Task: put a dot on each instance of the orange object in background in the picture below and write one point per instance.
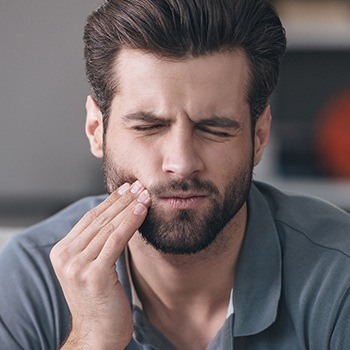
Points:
(333, 136)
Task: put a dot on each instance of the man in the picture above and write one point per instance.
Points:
(186, 252)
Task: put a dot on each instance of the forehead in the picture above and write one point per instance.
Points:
(202, 83)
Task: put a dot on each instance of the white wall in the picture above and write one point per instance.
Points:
(43, 149)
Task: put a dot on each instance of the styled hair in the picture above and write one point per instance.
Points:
(180, 29)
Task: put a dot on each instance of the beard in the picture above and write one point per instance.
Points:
(186, 231)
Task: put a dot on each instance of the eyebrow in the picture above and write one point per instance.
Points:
(220, 122)
(215, 121)
(145, 117)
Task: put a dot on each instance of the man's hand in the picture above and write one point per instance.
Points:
(84, 262)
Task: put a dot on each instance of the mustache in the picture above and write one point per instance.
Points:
(193, 185)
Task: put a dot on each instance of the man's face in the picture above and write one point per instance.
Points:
(183, 129)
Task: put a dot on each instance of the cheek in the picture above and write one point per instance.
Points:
(136, 158)
(230, 162)
(225, 157)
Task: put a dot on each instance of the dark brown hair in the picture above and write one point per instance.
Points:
(178, 29)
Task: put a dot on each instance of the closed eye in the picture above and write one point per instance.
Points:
(215, 132)
(147, 127)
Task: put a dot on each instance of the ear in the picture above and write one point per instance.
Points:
(94, 127)
(262, 134)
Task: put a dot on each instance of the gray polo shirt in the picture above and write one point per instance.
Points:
(291, 288)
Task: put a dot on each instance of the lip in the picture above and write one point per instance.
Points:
(183, 201)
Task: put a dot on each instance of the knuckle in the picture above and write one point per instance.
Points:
(95, 273)
(107, 229)
(74, 272)
(91, 215)
(67, 267)
(126, 199)
(58, 257)
(94, 279)
(113, 244)
(101, 220)
(115, 240)
(85, 278)
(112, 198)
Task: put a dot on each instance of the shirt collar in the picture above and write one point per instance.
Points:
(134, 298)
(257, 285)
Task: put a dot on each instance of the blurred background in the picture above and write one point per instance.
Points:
(45, 162)
(310, 146)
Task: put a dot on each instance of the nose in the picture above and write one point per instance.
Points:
(181, 154)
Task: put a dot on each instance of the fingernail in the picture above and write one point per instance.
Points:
(139, 209)
(143, 197)
(136, 186)
(122, 189)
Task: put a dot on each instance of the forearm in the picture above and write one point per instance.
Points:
(76, 342)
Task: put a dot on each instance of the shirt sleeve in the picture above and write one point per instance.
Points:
(33, 312)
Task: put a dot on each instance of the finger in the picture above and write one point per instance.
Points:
(96, 245)
(102, 222)
(118, 239)
(93, 214)
(71, 247)
(99, 216)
